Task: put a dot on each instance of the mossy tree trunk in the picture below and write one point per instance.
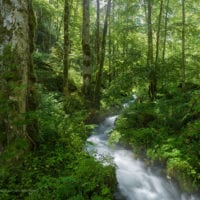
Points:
(165, 32)
(183, 46)
(150, 60)
(102, 58)
(86, 53)
(158, 35)
(16, 66)
(97, 33)
(66, 48)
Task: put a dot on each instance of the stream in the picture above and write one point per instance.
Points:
(135, 180)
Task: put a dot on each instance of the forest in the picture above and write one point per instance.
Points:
(66, 65)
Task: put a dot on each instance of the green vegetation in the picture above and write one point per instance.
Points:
(85, 59)
(59, 169)
(167, 132)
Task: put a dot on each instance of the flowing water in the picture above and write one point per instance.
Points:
(135, 180)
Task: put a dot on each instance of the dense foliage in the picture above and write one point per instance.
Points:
(59, 169)
(88, 61)
(166, 132)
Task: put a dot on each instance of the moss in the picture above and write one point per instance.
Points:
(14, 80)
(9, 84)
(32, 104)
(3, 30)
(32, 26)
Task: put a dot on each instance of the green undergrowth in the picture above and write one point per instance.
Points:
(167, 132)
(59, 168)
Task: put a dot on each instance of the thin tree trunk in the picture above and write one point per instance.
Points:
(102, 58)
(150, 64)
(97, 40)
(113, 56)
(109, 61)
(158, 34)
(165, 33)
(66, 48)
(183, 46)
(150, 36)
(97, 33)
(110, 48)
(86, 52)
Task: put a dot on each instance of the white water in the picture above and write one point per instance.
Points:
(135, 180)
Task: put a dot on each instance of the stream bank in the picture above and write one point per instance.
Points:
(136, 181)
(156, 133)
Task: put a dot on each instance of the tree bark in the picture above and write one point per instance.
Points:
(150, 35)
(165, 32)
(97, 33)
(16, 66)
(183, 46)
(86, 52)
(102, 58)
(158, 34)
(150, 62)
(110, 54)
(66, 48)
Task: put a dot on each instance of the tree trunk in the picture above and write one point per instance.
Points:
(165, 32)
(86, 53)
(150, 35)
(183, 46)
(158, 34)
(109, 61)
(17, 77)
(150, 63)
(66, 48)
(97, 34)
(110, 46)
(102, 58)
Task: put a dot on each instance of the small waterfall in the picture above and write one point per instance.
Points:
(135, 180)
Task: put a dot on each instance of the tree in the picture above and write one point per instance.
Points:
(150, 61)
(158, 34)
(86, 51)
(183, 46)
(102, 58)
(97, 33)
(17, 76)
(66, 48)
(165, 31)
(150, 35)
